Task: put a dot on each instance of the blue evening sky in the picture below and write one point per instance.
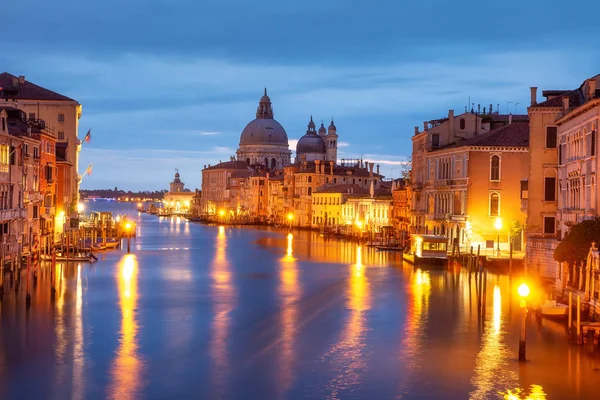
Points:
(170, 84)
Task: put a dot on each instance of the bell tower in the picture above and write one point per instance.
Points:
(176, 186)
(331, 142)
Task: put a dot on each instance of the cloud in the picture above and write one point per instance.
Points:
(343, 144)
(209, 133)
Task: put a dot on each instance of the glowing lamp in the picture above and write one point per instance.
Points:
(128, 226)
(80, 207)
(221, 212)
(290, 216)
(498, 223)
(523, 290)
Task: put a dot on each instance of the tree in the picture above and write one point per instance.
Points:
(576, 244)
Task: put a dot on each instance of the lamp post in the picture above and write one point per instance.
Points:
(523, 291)
(498, 226)
(128, 230)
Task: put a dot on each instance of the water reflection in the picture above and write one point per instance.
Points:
(78, 350)
(290, 292)
(127, 365)
(535, 393)
(491, 364)
(223, 297)
(419, 292)
(350, 350)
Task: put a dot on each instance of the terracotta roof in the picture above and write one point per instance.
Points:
(575, 99)
(26, 90)
(241, 173)
(229, 165)
(505, 117)
(337, 170)
(512, 135)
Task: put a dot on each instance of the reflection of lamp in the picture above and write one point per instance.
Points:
(498, 226)
(523, 291)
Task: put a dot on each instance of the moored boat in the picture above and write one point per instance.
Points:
(78, 258)
(389, 248)
(552, 309)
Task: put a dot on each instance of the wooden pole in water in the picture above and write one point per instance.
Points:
(578, 320)
(477, 258)
(484, 296)
(510, 257)
(53, 275)
(570, 323)
(28, 293)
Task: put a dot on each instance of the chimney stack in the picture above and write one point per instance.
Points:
(451, 123)
(591, 88)
(331, 165)
(21, 79)
(318, 166)
(15, 82)
(533, 90)
(377, 169)
(371, 165)
(416, 130)
(565, 101)
(425, 125)
(509, 119)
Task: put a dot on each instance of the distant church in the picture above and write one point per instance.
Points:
(264, 141)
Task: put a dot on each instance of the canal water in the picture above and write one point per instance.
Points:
(214, 312)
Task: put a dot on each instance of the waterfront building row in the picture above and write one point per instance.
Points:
(39, 148)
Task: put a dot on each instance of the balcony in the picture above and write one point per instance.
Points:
(33, 197)
(458, 182)
(13, 213)
(440, 183)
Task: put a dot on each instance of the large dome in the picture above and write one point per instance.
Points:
(310, 144)
(264, 131)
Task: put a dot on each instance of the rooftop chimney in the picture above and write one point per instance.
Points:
(377, 169)
(331, 165)
(565, 100)
(533, 90)
(509, 119)
(425, 125)
(15, 82)
(21, 79)
(451, 123)
(591, 88)
(371, 165)
(416, 130)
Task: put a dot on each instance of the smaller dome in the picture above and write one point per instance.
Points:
(332, 126)
(310, 144)
(322, 130)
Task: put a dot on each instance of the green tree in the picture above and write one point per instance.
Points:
(576, 244)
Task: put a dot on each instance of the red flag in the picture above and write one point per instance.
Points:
(88, 136)
(88, 171)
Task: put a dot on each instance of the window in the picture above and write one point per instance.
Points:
(462, 124)
(35, 212)
(495, 168)
(551, 137)
(494, 204)
(549, 188)
(435, 140)
(61, 135)
(524, 189)
(549, 225)
(3, 123)
(31, 116)
(560, 154)
(36, 152)
(593, 143)
(61, 117)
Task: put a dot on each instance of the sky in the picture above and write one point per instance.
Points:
(169, 84)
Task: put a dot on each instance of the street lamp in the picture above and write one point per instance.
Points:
(498, 226)
(290, 218)
(80, 207)
(523, 291)
(128, 230)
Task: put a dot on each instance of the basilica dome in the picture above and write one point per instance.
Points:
(264, 131)
(311, 142)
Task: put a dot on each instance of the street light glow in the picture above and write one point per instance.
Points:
(80, 207)
(498, 223)
(128, 226)
(523, 290)
(221, 212)
(290, 216)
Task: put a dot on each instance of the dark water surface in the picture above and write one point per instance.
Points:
(237, 313)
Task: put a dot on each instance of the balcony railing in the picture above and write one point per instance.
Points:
(12, 214)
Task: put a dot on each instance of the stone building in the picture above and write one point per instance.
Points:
(264, 141)
(178, 200)
(222, 185)
(467, 176)
(401, 196)
(321, 145)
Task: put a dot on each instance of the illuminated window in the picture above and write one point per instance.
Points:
(494, 204)
(495, 168)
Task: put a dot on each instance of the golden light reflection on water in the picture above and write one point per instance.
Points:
(350, 351)
(535, 393)
(78, 351)
(223, 296)
(290, 292)
(419, 293)
(59, 325)
(491, 363)
(126, 369)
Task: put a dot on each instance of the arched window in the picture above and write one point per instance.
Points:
(266, 162)
(273, 163)
(462, 123)
(494, 204)
(495, 168)
(309, 191)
